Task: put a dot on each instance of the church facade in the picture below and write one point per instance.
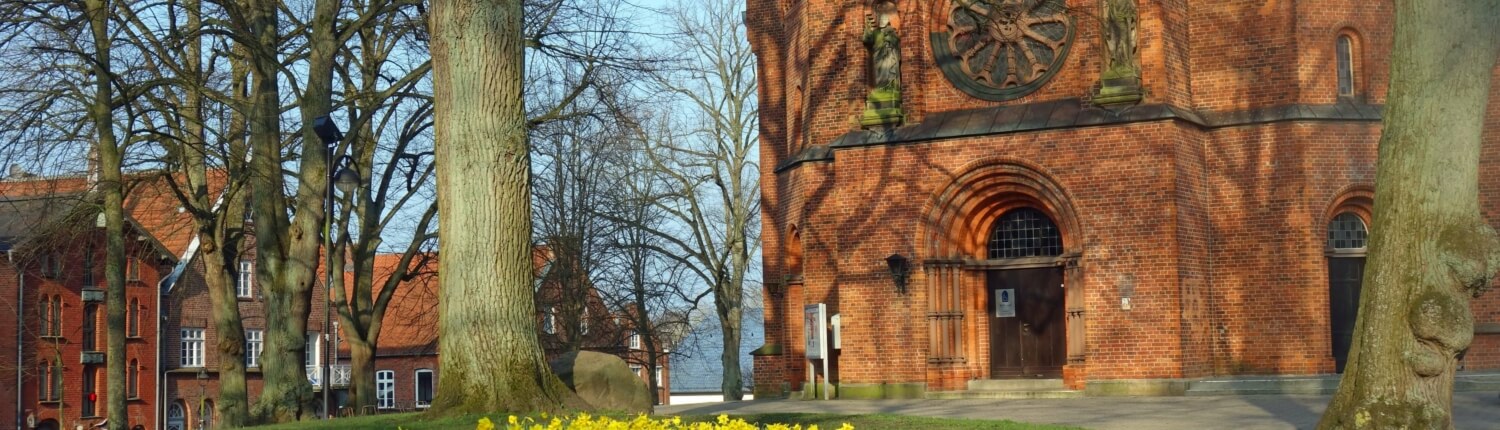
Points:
(1094, 191)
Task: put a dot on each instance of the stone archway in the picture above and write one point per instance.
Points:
(955, 229)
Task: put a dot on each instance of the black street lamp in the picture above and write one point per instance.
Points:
(341, 175)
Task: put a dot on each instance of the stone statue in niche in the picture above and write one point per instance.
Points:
(1120, 81)
(883, 105)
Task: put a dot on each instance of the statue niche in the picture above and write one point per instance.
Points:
(1120, 79)
(883, 105)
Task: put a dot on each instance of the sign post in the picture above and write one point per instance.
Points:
(815, 330)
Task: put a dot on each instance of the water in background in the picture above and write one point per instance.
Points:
(697, 369)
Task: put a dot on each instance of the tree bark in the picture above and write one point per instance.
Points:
(1431, 250)
(491, 358)
(111, 188)
(219, 229)
(287, 249)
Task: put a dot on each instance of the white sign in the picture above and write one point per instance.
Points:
(1005, 303)
(815, 330)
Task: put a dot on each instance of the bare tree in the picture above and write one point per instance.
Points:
(1431, 250)
(713, 190)
(390, 140)
(78, 38)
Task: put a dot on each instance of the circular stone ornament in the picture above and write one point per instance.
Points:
(1001, 50)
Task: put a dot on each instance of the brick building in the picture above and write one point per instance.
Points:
(53, 290)
(406, 360)
(580, 317)
(1090, 191)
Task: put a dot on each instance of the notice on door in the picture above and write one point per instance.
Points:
(1005, 303)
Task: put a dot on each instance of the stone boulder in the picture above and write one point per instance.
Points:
(604, 381)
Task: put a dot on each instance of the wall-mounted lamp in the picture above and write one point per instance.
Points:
(899, 267)
(777, 289)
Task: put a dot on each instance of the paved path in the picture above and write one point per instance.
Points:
(1474, 411)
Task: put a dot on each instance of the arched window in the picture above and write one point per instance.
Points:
(1346, 232)
(1344, 58)
(206, 415)
(1024, 232)
(45, 378)
(133, 380)
(175, 418)
(57, 381)
(57, 316)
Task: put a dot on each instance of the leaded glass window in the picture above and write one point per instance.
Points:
(1024, 232)
(1345, 65)
(1346, 231)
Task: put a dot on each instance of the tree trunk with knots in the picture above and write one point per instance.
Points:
(1431, 250)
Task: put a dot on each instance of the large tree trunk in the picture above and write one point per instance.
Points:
(218, 228)
(1430, 248)
(361, 373)
(491, 358)
(112, 189)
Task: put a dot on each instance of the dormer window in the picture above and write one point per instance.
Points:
(1344, 58)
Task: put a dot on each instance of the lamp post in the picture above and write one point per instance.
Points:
(202, 397)
(346, 180)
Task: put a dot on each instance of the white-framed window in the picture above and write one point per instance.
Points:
(549, 321)
(244, 285)
(254, 344)
(385, 389)
(635, 340)
(658, 376)
(583, 321)
(192, 347)
(636, 369)
(425, 385)
(314, 356)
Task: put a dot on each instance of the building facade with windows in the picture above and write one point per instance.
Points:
(1086, 191)
(53, 285)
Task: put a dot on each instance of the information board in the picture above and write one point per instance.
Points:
(815, 330)
(1005, 303)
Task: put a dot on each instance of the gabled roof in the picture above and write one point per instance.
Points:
(150, 205)
(410, 326)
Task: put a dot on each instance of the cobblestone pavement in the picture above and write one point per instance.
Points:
(1473, 411)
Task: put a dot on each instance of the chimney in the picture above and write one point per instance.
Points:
(93, 172)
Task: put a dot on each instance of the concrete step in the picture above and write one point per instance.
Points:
(1315, 385)
(1477, 381)
(1015, 384)
(1003, 395)
(1318, 384)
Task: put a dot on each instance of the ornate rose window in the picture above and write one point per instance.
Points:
(1003, 49)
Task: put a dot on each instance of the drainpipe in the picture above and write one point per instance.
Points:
(10, 256)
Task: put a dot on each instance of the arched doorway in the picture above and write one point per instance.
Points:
(1346, 267)
(1024, 286)
(206, 415)
(175, 417)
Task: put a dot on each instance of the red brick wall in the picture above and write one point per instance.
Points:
(1485, 353)
(1219, 232)
(68, 348)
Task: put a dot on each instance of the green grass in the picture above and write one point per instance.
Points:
(823, 421)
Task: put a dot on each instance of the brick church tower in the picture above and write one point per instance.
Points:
(1084, 192)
